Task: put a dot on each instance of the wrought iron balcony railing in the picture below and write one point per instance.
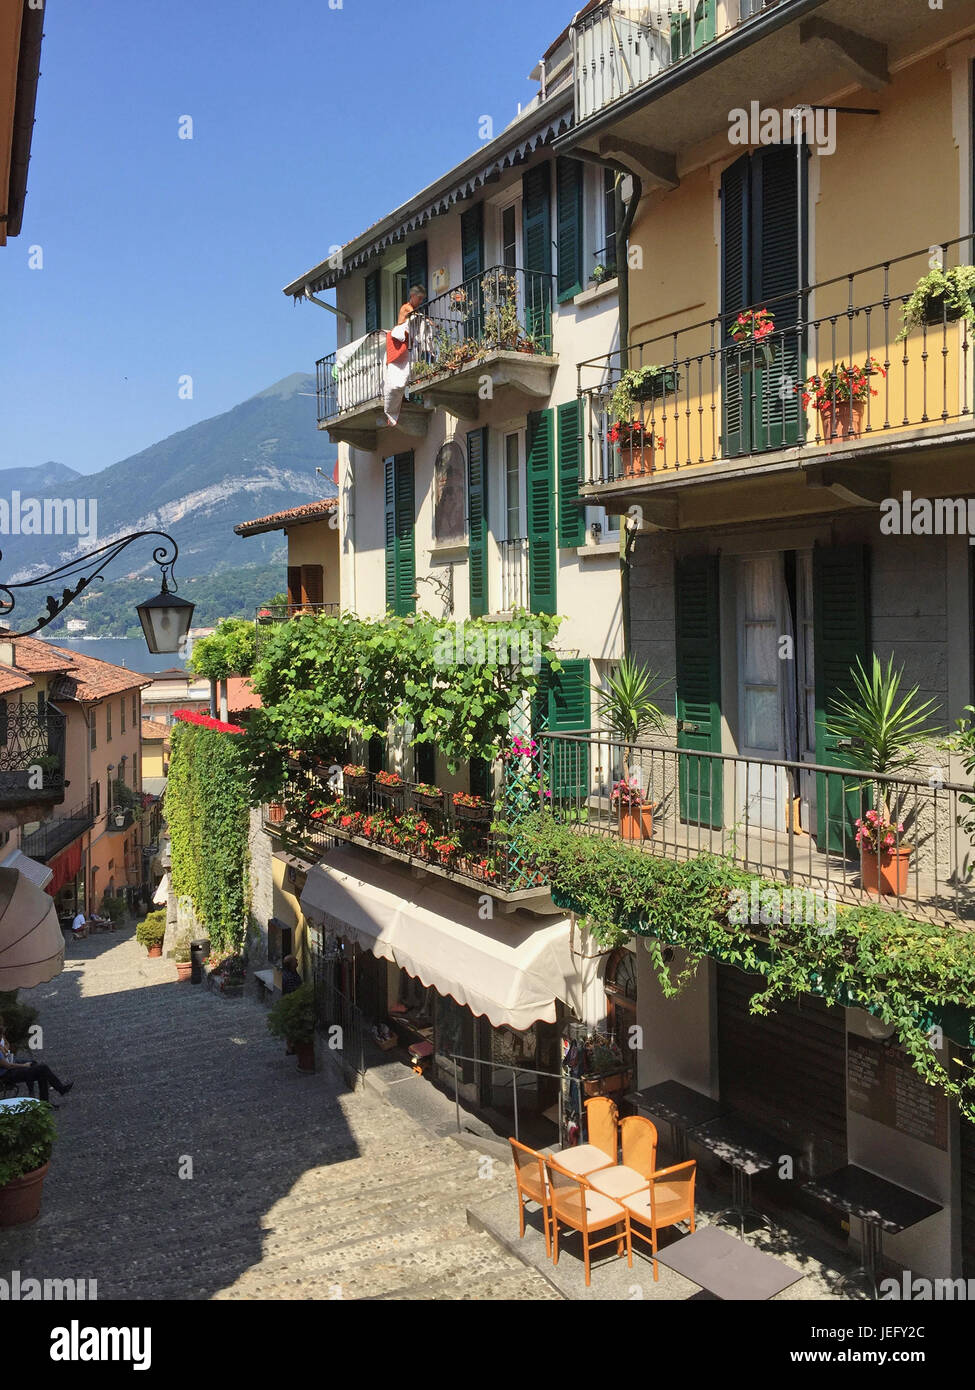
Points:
(503, 309)
(347, 380)
(54, 835)
(711, 398)
(514, 574)
(619, 47)
(31, 754)
(405, 821)
(790, 821)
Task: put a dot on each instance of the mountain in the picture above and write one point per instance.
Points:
(28, 481)
(260, 457)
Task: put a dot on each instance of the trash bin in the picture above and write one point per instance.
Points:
(199, 951)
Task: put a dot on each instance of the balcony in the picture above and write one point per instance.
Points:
(791, 822)
(731, 413)
(54, 835)
(350, 396)
(407, 823)
(271, 615)
(514, 574)
(31, 759)
(498, 324)
(652, 81)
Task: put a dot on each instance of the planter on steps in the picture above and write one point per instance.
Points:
(20, 1200)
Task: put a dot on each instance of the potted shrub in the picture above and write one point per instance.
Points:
(292, 1017)
(27, 1134)
(604, 1071)
(151, 932)
(883, 728)
(941, 296)
(635, 446)
(627, 707)
(840, 394)
(749, 331)
(181, 955)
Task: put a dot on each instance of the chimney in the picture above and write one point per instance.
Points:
(7, 657)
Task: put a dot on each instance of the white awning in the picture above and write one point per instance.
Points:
(39, 874)
(31, 944)
(161, 895)
(511, 968)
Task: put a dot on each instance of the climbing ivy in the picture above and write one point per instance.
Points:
(915, 976)
(230, 651)
(323, 679)
(206, 809)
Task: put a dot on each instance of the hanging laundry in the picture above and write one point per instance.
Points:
(417, 333)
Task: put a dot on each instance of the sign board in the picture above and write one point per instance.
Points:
(882, 1084)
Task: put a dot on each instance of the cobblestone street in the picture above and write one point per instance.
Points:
(300, 1189)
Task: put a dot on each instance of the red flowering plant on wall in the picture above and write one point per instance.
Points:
(841, 384)
(752, 326)
(205, 721)
(877, 833)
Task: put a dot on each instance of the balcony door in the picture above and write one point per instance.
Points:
(763, 264)
(514, 545)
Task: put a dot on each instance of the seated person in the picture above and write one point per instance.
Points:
(12, 1069)
(80, 924)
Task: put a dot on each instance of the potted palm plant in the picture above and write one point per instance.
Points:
(27, 1135)
(292, 1017)
(627, 708)
(883, 729)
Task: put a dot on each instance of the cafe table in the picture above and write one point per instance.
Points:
(727, 1267)
(882, 1206)
(747, 1150)
(682, 1108)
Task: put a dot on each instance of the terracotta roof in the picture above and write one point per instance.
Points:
(296, 516)
(89, 679)
(31, 654)
(13, 680)
(154, 728)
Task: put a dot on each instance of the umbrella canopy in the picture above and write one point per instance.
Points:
(31, 944)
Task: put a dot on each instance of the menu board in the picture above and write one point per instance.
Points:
(883, 1085)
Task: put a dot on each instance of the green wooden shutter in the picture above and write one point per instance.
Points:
(735, 294)
(680, 30)
(373, 300)
(416, 266)
(841, 627)
(699, 690)
(472, 241)
(400, 546)
(542, 552)
(572, 521)
(569, 180)
(477, 447)
(536, 215)
(563, 705)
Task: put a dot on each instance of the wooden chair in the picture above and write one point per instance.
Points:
(668, 1199)
(579, 1207)
(532, 1183)
(639, 1142)
(603, 1146)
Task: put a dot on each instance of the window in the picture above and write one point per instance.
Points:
(108, 723)
(608, 254)
(41, 706)
(121, 710)
(509, 236)
(96, 798)
(400, 506)
(135, 710)
(93, 728)
(513, 475)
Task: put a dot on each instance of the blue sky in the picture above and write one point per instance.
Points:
(164, 257)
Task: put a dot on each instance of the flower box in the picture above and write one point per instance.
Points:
(753, 357)
(479, 813)
(665, 383)
(607, 1084)
(431, 801)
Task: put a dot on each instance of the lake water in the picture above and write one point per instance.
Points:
(130, 652)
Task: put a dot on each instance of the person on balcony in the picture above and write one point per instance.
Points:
(12, 1069)
(397, 374)
(416, 297)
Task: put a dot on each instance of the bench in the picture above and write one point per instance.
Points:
(265, 982)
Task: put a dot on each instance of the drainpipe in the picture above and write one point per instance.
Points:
(339, 313)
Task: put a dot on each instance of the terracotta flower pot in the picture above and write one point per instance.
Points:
(886, 875)
(20, 1200)
(845, 424)
(305, 1052)
(155, 951)
(636, 822)
(183, 970)
(275, 813)
(637, 462)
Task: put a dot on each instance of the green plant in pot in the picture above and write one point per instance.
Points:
(151, 931)
(18, 1019)
(882, 729)
(27, 1134)
(292, 1017)
(183, 957)
(940, 296)
(628, 709)
(639, 384)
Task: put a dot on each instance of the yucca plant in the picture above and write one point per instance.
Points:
(883, 726)
(627, 706)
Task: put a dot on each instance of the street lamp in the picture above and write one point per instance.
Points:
(165, 619)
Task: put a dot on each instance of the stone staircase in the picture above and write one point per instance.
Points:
(299, 1188)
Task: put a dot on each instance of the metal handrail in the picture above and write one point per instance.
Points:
(501, 1066)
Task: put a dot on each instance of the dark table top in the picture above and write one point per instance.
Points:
(736, 1141)
(676, 1103)
(871, 1198)
(728, 1267)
